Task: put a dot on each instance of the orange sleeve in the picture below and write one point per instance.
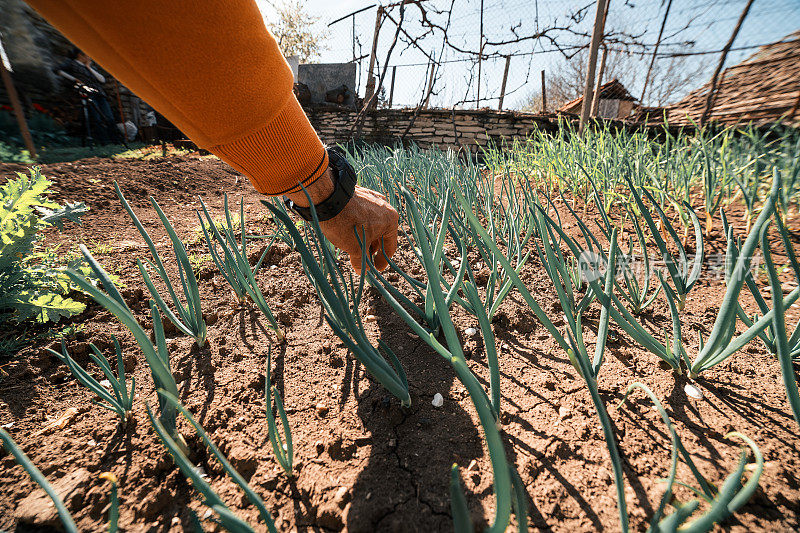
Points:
(212, 69)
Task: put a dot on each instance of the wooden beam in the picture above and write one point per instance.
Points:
(480, 63)
(596, 97)
(655, 51)
(391, 87)
(544, 95)
(370, 90)
(597, 35)
(503, 85)
(15, 104)
(713, 89)
(430, 85)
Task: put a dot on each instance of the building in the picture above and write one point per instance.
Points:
(762, 89)
(615, 102)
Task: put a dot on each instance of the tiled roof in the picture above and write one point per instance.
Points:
(612, 90)
(762, 89)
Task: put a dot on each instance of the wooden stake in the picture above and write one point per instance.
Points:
(391, 87)
(655, 51)
(597, 34)
(480, 62)
(503, 85)
(544, 96)
(430, 84)
(370, 90)
(713, 89)
(596, 97)
(15, 104)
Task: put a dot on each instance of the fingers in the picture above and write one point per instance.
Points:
(387, 248)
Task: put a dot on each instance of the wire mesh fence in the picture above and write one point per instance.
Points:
(475, 53)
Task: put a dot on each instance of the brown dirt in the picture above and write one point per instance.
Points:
(392, 463)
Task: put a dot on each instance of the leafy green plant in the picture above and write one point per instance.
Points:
(637, 293)
(31, 285)
(284, 453)
(119, 399)
(721, 342)
(113, 508)
(234, 263)
(189, 318)
(157, 356)
(785, 351)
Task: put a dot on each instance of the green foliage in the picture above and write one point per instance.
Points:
(33, 285)
(340, 297)
(119, 399)
(233, 261)
(156, 355)
(284, 453)
(188, 317)
(226, 518)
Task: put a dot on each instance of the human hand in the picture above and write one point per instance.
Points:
(368, 213)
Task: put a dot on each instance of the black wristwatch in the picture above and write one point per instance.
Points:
(344, 178)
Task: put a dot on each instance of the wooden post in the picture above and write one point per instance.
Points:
(655, 51)
(544, 95)
(480, 63)
(370, 90)
(596, 96)
(503, 85)
(597, 34)
(15, 104)
(391, 87)
(713, 89)
(121, 113)
(430, 84)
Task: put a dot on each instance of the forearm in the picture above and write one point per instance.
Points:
(213, 71)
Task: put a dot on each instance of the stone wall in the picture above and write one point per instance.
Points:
(466, 129)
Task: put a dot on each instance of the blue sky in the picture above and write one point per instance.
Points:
(710, 25)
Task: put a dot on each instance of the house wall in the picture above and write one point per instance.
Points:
(467, 129)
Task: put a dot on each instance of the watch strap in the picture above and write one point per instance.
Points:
(344, 186)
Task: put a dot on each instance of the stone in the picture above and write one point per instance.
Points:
(37, 508)
(341, 497)
(329, 516)
(243, 460)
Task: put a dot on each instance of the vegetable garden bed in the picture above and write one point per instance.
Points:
(361, 460)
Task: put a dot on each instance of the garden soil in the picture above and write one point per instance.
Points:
(362, 462)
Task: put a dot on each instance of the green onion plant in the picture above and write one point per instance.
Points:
(157, 356)
(284, 453)
(120, 398)
(36, 475)
(452, 350)
(225, 517)
(233, 261)
(722, 503)
(189, 318)
(340, 298)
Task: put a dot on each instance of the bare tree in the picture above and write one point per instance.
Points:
(296, 31)
(670, 79)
